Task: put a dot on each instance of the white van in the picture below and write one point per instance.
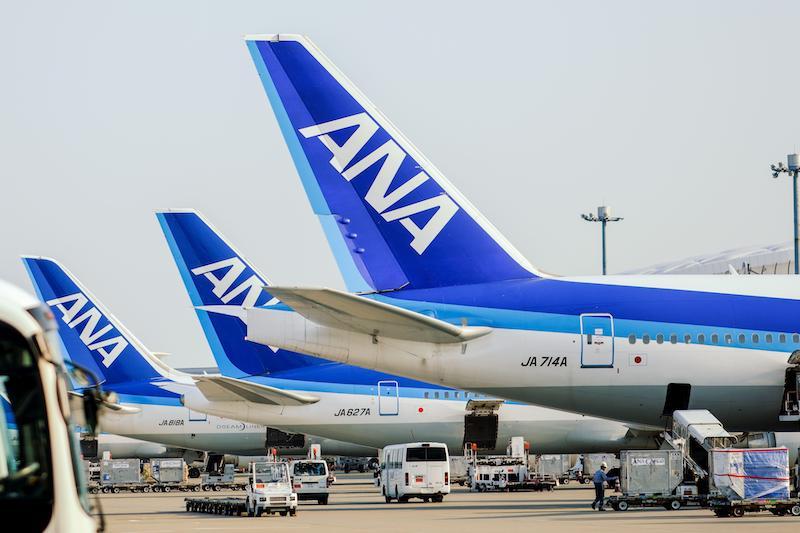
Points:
(416, 470)
(310, 479)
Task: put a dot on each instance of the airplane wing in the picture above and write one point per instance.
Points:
(342, 310)
(224, 389)
(107, 402)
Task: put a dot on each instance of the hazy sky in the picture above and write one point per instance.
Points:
(537, 111)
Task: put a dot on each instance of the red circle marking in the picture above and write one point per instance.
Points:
(637, 359)
(421, 409)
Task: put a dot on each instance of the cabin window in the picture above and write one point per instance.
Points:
(660, 338)
(728, 338)
(687, 339)
(466, 395)
(446, 395)
(701, 338)
(427, 395)
(782, 338)
(741, 338)
(632, 339)
(714, 338)
(768, 338)
(646, 338)
(795, 338)
(455, 394)
(755, 338)
(673, 339)
(436, 395)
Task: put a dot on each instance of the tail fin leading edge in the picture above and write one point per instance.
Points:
(390, 216)
(216, 274)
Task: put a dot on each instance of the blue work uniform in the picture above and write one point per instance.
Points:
(600, 479)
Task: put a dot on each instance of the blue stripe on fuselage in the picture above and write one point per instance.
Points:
(555, 305)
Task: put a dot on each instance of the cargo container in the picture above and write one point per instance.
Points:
(750, 474)
(173, 471)
(651, 472)
(654, 478)
(591, 462)
(120, 471)
(555, 466)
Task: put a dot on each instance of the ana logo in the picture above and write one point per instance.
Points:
(109, 348)
(224, 286)
(378, 196)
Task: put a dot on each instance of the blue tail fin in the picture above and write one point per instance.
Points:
(91, 336)
(390, 216)
(215, 274)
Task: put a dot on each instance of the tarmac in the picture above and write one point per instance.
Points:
(356, 505)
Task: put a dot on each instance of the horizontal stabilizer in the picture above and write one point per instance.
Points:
(225, 389)
(341, 310)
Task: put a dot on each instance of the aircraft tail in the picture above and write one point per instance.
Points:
(391, 218)
(219, 281)
(91, 336)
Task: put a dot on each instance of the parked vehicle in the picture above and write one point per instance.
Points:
(41, 477)
(269, 490)
(416, 470)
(310, 480)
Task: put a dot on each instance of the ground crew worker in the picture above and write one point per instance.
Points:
(600, 479)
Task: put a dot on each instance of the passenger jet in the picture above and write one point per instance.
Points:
(436, 293)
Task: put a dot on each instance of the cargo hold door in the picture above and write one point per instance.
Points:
(481, 423)
(597, 340)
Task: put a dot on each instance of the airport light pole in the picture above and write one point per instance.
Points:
(792, 168)
(604, 217)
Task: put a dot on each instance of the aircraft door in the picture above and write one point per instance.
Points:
(195, 416)
(597, 340)
(388, 398)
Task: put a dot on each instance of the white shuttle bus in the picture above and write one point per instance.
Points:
(415, 470)
(41, 480)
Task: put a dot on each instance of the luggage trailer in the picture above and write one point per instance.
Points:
(269, 490)
(751, 481)
(654, 478)
(672, 477)
(724, 507)
(112, 476)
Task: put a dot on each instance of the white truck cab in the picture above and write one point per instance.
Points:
(269, 489)
(310, 479)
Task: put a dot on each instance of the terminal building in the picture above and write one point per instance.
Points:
(770, 259)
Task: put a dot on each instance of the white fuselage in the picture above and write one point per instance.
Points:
(373, 420)
(743, 387)
(180, 427)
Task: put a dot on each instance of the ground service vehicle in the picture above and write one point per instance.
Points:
(269, 490)
(221, 480)
(416, 470)
(310, 480)
(41, 478)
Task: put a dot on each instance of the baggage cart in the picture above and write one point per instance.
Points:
(269, 490)
(226, 480)
(725, 507)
